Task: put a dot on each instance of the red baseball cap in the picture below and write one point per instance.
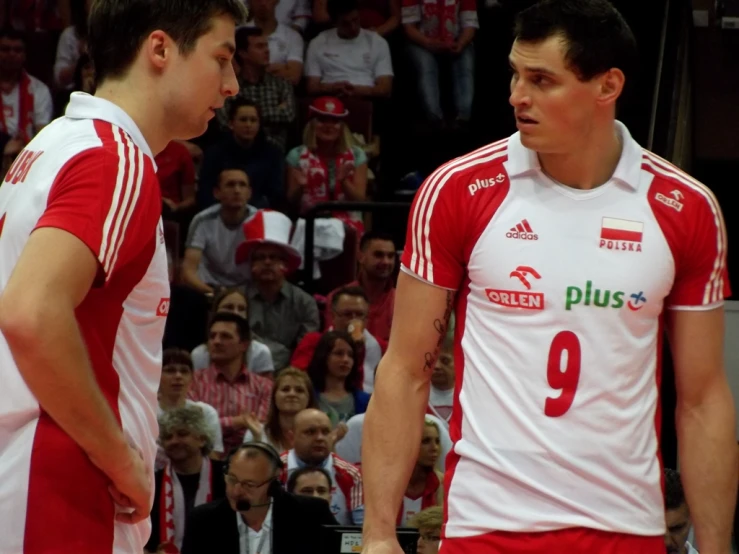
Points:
(329, 106)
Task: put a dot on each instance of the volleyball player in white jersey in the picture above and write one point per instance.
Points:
(562, 250)
(84, 288)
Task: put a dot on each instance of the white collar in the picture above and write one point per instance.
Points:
(266, 526)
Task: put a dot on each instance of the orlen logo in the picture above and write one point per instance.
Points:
(519, 299)
(484, 183)
(603, 298)
(163, 307)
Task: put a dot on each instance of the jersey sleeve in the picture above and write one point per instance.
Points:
(701, 276)
(97, 197)
(434, 246)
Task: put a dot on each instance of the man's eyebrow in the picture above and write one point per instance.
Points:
(533, 69)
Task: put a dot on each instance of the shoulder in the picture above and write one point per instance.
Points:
(342, 466)
(258, 347)
(37, 84)
(300, 295)
(208, 214)
(323, 37)
(207, 408)
(375, 38)
(674, 187)
(289, 32)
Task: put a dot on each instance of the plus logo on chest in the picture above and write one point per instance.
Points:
(594, 297)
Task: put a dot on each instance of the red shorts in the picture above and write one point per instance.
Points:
(566, 541)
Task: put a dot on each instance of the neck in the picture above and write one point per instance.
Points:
(589, 165)
(334, 385)
(190, 466)
(252, 73)
(444, 387)
(267, 24)
(372, 287)
(233, 216)
(172, 401)
(137, 97)
(270, 290)
(230, 369)
(242, 142)
(255, 517)
(418, 477)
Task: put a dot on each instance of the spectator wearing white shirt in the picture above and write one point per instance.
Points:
(25, 102)
(71, 45)
(348, 60)
(294, 13)
(285, 43)
(174, 385)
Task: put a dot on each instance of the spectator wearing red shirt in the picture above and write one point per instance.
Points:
(376, 276)
(176, 172)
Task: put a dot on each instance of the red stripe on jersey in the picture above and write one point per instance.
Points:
(576, 540)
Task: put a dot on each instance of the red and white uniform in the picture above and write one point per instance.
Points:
(347, 500)
(91, 174)
(558, 338)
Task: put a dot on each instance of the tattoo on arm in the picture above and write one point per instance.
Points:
(441, 326)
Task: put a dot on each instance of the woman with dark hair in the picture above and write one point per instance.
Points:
(334, 371)
(246, 147)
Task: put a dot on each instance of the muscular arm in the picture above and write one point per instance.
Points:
(389, 449)
(705, 425)
(190, 265)
(37, 317)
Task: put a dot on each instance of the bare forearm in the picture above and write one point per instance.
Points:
(53, 361)
(708, 466)
(190, 276)
(391, 440)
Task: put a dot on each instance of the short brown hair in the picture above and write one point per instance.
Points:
(116, 28)
(176, 356)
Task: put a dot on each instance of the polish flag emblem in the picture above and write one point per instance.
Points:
(621, 230)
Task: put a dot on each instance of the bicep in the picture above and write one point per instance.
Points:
(192, 258)
(61, 267)
(697, 343)
(420, 322)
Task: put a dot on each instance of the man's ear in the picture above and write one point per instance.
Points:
(610, 86)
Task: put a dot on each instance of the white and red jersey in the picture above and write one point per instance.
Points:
(561, 294)
(91, 174)
(347, 499)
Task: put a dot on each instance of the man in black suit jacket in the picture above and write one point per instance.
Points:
(253, 489)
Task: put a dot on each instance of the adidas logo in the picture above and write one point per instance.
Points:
(522, 231)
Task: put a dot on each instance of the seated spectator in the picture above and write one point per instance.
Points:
(268, 518)
(25, 102)
(72, 44)
(274, 96)
(258, 358)
(188, 479)
(11, 148)
(214, 235)
(285, 43)
(247, 147)
(380, 16)
(327, 166)
(677, 515)
(228, 385)
(334, 374)
(425, 489)
(441, 395)
(349, 447)
(350, 308)
(348, 60)
(313, 442)
(293, 392)
(376, 277)
(174, 386)
(176, 173)
(279, 312)
(442, 32)
(428, 522)
(294, 13)
(310, 481)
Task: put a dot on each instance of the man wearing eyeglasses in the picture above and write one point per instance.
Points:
(268, 519)
(350, 308)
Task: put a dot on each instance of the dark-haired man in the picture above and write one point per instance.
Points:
(562, 250)
(677, 515)
(84, 283)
